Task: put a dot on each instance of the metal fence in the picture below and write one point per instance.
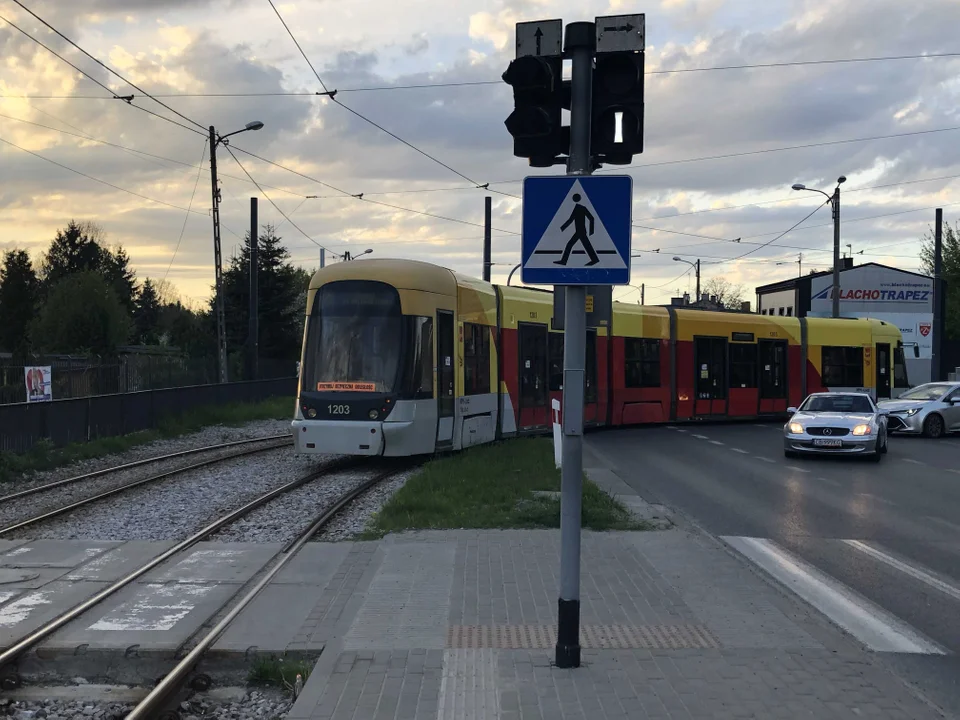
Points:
(77, 420)
(78, 377)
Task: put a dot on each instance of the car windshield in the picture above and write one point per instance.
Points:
(929, 391)
(837, 404)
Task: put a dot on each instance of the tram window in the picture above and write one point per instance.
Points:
(642, 362)
(743, 366)
(842, 366)
(900, 379)
(476, 359)
(533, 365)
(591, 367)
(418, 368)
(555, 364)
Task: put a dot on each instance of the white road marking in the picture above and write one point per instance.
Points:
(715, 442)
(871, 625)
(742, 452)
(912, 461)
(759, 425)
(829, 481)
(878, 498)
(18, 551)
(156, 607)
(682, 430)
(916, 573)
(765, 459)
(945, 523)
(672, 427)
(798, 469)
(700, 437)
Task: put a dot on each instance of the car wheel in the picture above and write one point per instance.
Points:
(933, 426)
(886, 447)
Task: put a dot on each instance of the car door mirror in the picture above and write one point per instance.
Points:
(791, 410)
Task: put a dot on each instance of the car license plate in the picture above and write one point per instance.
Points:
(828, 442)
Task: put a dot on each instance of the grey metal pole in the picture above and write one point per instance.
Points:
(323, 258)
(938, 305)
(254, 324)
(698, 280)
(643, 293)
(580, 43)
(217, 262)
(487, 213)
(836, 252)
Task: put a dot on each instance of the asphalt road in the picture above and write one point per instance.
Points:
(889, 531)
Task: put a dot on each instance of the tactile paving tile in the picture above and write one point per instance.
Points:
(597, 637)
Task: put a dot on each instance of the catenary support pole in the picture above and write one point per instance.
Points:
(487, 213)
(836, 252)
(253, 332)
(217, 262)
(580, 39)
(938, 304)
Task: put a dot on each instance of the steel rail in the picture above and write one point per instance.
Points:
(10, 655)
(137, 463)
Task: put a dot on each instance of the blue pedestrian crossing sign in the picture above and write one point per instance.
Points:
(577, 230)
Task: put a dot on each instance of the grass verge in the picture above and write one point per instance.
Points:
(494, 486)
(276, 671)
(44, 456)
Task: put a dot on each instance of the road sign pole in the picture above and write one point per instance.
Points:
(580, 44)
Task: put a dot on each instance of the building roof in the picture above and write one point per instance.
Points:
(793, 282)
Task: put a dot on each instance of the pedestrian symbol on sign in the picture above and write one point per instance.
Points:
(578, 218)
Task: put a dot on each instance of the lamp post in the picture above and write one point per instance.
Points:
(217, 263)
(834, 200)
(347, 256)
(695, 266)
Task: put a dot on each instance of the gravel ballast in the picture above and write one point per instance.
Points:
(356, 516)
(174, 508)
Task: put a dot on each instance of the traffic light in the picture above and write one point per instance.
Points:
(617, 124)
(536, 122)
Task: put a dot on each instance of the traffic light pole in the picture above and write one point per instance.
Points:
(580, 43)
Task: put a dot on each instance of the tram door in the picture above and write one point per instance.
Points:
(534, 388)
(773, 376)
(446, 394)
(883, 371)
(710, 366)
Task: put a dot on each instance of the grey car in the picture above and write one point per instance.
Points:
(931, 409)
(835, 423)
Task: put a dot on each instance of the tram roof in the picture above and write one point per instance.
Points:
(401, 274)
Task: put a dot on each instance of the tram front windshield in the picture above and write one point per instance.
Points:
(353, 339)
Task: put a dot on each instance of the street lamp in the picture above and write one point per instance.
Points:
(347, 256)
(510, 276)
(217, 264)
(695, 266)
(834, 201)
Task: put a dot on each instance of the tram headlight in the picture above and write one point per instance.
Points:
(312, 413)
(373, 414)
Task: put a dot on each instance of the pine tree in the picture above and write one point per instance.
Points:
(951, 273)
(146, 315)
(19, 296)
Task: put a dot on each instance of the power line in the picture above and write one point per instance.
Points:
(186, 217)
(476, 83)
(332, 96)
(98, 180)
(269, 200)
(109, 69)
(113, 96)
(770, 242)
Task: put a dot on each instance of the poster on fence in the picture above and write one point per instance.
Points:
(39, 385)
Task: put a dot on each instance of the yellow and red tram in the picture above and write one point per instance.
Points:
(405, 358)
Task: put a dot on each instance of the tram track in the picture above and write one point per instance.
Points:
(9, 676)
(184, 679)
(270, 443)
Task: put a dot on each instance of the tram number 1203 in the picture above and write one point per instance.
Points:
(338, 409)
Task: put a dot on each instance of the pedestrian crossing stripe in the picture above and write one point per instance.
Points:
(576, 224)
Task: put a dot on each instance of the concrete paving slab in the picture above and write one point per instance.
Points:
(314, 564)
(213, 562)
(273, 620)
(31, 609)
(8, 545)
(55, 553)
(28, 578)
(114, 564)
(154, 617)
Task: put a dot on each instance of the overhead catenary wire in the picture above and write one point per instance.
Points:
(108, 68)
(477, 83)
(186, 218)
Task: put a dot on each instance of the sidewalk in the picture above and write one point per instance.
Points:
(444, 625)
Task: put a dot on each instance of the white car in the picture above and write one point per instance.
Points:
(931, 409)
(836, 423)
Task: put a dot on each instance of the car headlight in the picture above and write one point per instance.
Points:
(862, 430)
(911, 412)
(796, 428)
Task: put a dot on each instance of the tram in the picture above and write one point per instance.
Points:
(408, 358)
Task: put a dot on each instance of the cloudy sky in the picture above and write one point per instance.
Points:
(686, 201)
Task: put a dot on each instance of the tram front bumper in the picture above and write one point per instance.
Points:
(333, 437)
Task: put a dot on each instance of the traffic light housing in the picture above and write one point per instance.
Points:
(617, 123)
(536, 122)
